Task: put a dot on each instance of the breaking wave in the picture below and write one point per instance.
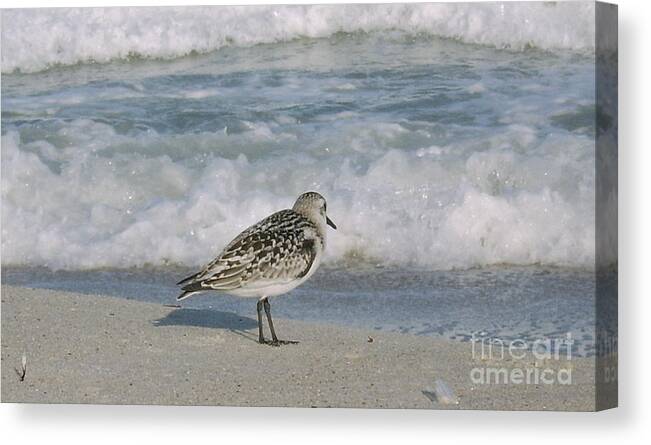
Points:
(36, 39)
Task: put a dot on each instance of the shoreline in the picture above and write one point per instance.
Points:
(506, 303)
(99, 349)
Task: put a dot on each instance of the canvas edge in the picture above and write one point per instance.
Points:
(606, 199)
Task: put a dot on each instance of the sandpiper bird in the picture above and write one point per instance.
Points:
(269, 258)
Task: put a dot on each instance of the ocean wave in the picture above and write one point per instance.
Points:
(37, 39)
(89, 197)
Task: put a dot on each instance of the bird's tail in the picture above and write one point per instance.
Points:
(189, 290)
(186, 294)
(186, 279)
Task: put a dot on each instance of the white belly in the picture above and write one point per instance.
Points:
(272, 288)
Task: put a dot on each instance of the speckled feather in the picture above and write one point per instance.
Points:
(281, 247)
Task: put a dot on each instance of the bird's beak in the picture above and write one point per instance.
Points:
(330, 223)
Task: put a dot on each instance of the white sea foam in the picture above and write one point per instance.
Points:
(430, 152)
(440, 207)
(35, 39)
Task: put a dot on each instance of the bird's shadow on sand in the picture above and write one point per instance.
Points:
(206, 318)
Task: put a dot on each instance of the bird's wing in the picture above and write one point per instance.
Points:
(275, 249)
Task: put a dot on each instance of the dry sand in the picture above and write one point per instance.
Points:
(99, 349)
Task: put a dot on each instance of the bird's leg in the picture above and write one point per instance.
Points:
(267, 309)
(275, 341)
(260, 334)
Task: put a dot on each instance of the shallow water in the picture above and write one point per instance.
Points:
(527, 303)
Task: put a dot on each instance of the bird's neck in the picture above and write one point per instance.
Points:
(316, 219)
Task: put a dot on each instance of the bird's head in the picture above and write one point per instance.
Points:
(313, 206)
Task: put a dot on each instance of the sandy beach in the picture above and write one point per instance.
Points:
(98, 349)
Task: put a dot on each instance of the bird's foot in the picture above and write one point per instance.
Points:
(278, 342)
(286, 342)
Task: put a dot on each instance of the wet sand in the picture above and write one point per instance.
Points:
(97, 349)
